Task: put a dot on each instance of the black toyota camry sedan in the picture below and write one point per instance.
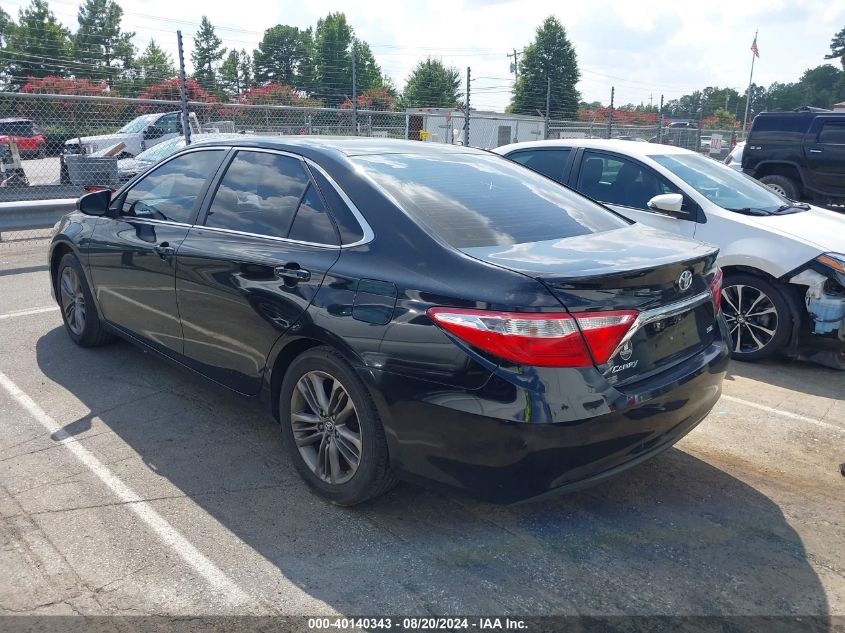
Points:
(407, 310)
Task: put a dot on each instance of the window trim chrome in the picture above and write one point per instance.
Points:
(366, 229)
(368, 234)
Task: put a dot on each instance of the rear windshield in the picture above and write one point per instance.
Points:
(470, 200)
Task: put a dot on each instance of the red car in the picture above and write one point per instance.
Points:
(27, 136)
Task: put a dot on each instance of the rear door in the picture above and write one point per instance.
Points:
(551, 162)
(825, 154)
(626, 185)
(252, 265)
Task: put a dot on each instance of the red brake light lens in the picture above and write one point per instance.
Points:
(716, 290)
(539, 339)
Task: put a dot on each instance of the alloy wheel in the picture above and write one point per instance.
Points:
(777, 189)
(325, 427)
(73, 300)
(751, 316)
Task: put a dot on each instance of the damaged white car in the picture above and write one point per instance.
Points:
(783, 261)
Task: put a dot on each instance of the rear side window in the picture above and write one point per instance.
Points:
(469, 200)
(783, 128)
(832, 133)
(549, 162)
(348, 226)
(312, 223)
(258, 194)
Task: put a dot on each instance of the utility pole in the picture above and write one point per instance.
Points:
(354, 94)
(610, 113)
(660, 122)
(183, 90)
(548, 104)
(466, 112)
(515, 64)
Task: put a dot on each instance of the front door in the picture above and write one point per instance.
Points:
(247, 273)
(132, 257)
(626, 186)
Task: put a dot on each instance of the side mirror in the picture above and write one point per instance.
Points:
(95, 203)
(669, 202)
(153, 131)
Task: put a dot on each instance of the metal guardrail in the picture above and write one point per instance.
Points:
(33, 214)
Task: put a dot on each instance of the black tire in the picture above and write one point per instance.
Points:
(89, 332)
(783, 185)
(372, 476)
(763, 308)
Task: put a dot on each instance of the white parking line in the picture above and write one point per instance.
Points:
(19, 313)
(166, 532)
(784, 414)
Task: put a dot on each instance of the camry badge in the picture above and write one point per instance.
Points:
(685, 280)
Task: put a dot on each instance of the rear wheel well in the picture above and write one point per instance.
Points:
(780, 169)
(283, 360)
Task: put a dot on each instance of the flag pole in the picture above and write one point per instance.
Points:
(748, 92)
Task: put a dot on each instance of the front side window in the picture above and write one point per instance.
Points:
(170, 124)
(549, 162)
(170, 192)
(617, 180)
(259, 194)
(473, 199)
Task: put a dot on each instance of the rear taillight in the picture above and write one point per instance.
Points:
(539, 339)
(716, 289)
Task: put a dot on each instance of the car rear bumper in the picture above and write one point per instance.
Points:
(504, 444)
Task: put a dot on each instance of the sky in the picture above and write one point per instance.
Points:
(644, 48)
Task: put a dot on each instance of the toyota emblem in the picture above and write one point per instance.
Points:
(685, 280)
(627, 351)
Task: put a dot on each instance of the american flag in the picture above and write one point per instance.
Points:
(754, 48)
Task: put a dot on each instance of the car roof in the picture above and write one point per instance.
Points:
(631, 148)
(346, 145)
(16, 120)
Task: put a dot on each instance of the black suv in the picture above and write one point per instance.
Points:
(799, 154)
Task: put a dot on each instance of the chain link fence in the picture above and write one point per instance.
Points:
(55, 145)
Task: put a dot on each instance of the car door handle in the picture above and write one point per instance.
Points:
(164, 249)
(288, 271)
(815, 151)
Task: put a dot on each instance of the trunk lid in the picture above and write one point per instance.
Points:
(628, 268)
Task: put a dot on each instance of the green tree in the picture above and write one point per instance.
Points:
(284, 57)
(6, 25)
(333, 59)
(837, 48)
(550, 56)
(206, 56)
(432, 84)
(155, 64)
(38, 46)
(821, 86)
(235, 73)
(368, 73)
(100, 47)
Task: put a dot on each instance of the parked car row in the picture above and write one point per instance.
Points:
(783, 260)
(508, 326)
